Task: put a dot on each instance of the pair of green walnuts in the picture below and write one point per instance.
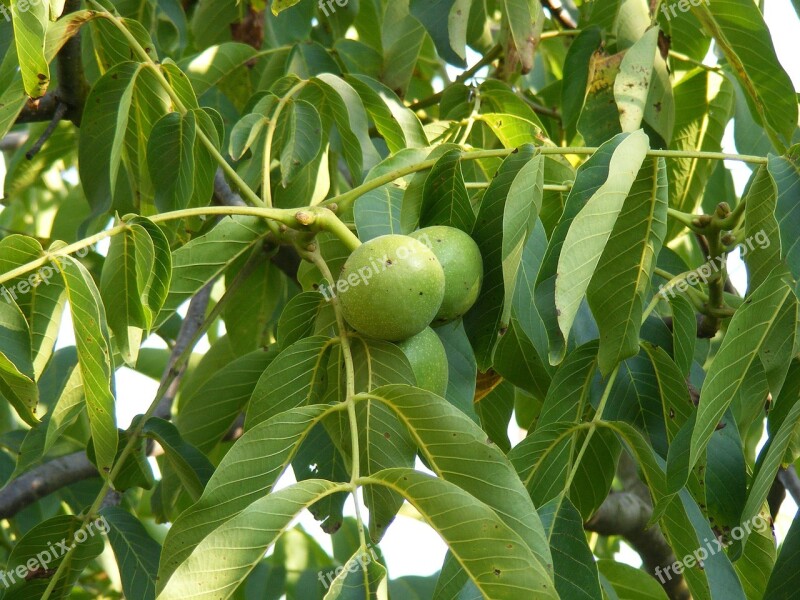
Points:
(400, 285)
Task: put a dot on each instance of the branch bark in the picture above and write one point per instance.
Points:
(44, 480)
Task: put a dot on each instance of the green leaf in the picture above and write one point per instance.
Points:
(785, 170)
(204, 424)
(30, 20)
(402, 39)
(206, 257)
(494, 411)
(684, 332)
(251, 306)
(383, 440)
(746, 335)
(739, 29)
(461, 367)
(576, 74)
(350, 117)
(137, 553)
(243, 541)
(207, 69)
(761, 225)
(94, 356)
(303, 136)
(524, 19)
(105, 122)
(40, 545)
(16, 369)
(134, 283)
(445, 199)
(437, 17)
(630, 583)
(619, 287)
(399, 126)
(361, 577)
(632, 84)
(378, 212)
(573, 562)
(456, 442)
(589, 179)
(191, 465)
(296, 377)
(599, 119)
(279, 6)
(61, 390)
(247, 472)
(298, 318)
(513, 199)
(170, 158)
(704, 104)
(513, 130)
(785, 577)
(767, 465)
(592, 227)
(502, 566)
(518, 361)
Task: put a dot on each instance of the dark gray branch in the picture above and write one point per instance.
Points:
(61, 111)
(44, 480)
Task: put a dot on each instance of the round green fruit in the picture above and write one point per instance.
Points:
(428, 360)
(391, 287)
(461, 260)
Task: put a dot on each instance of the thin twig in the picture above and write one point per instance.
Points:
(60, 112)
(192, 324)
(559, 13)
(487, 59)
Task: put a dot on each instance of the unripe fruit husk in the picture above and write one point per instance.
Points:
(428, 360)
(461, 260)
(391, 287)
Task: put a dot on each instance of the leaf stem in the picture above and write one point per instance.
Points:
(346, 199)
(350, 379)
(285, 216)
(598, 415)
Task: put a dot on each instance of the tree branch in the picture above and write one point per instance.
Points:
(559, 13)
(44, 480)
(626, 514)
(192, 324)
(60, 112)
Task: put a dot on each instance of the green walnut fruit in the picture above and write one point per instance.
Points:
(461, 260)
(428, 360)
(391, 287)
